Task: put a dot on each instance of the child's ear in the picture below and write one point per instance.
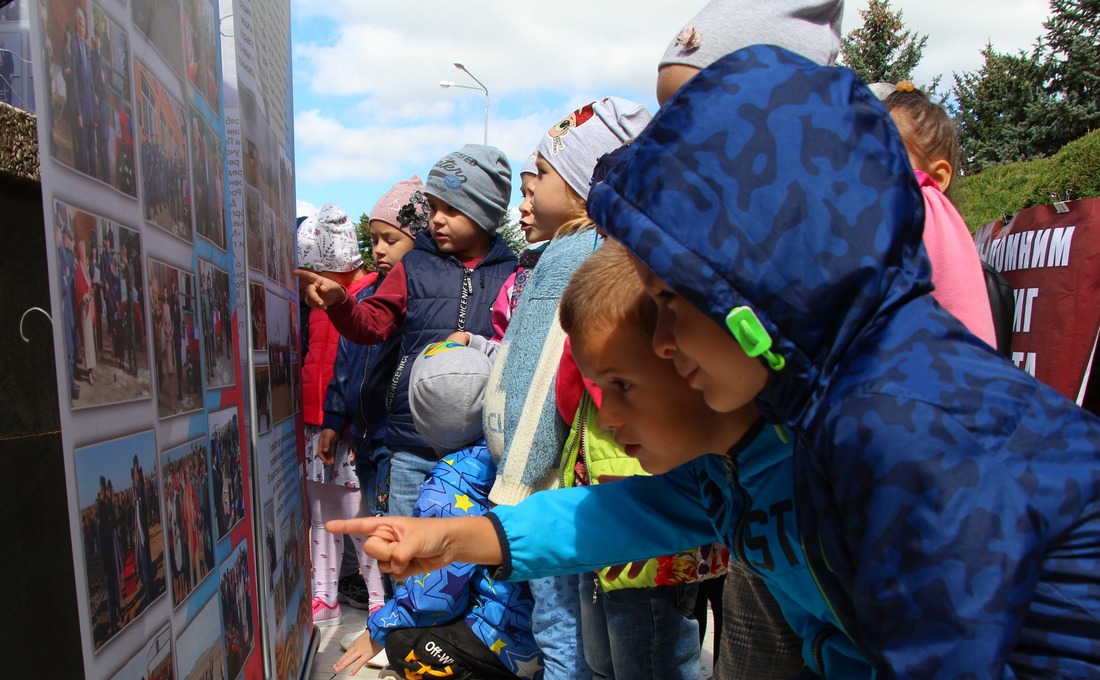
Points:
(941, 173)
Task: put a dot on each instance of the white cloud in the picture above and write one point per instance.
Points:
(305, 208)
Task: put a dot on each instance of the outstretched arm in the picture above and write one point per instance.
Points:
(405, 546)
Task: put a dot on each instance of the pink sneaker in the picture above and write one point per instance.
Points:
(325, 614)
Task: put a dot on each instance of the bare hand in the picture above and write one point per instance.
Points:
(359, 652)
(326, 446)
(461, 337)
(406, 546)
(319, 291)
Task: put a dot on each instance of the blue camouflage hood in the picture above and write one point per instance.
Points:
(790, 170)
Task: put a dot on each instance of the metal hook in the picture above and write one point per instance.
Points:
(32, 309)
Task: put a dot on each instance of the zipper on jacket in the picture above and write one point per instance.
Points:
(819, 643)
(394, 381)
(464, 300)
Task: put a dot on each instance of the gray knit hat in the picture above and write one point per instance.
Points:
(807, 27)
(476, 180)
(446, 392)
(573, 146)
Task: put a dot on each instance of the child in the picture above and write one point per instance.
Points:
(458, 622)
(447, 281)
(509, 294)
(355, 399)
(327, 244)
(933, 149)
(949, 497)
(522, 426)
(660, 420)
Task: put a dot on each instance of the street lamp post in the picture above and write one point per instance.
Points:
(481, 87)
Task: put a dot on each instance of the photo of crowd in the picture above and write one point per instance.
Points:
(173, 309)
(186, 483)
(227, 478)
(199, 649)
(159, 22)
(258, 304)
(90, 119)
(102, 301)
(238, 614)
(121, 531)
(217, 326)
(208, 192)
(154, 661)
(162, 129)
(269, 542)
(293, 558)
(263, 398)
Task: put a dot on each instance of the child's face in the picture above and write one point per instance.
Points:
(553, 203)
(703, 352)
(652, 411)
(389, 244)
(527, 224)
(454, 233)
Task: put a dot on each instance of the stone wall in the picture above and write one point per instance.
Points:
(18, 144)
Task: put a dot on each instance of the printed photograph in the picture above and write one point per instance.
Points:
(288, 253)
(272, 237)
(186, 483)
(173, 309)
(103, 302)
(200, 48)
(270, 545)
(278, 357)
(153, 662)
(228, 471)
(296, 392)
(257, 295)
(209, 189)
(121, 531)
(238, 613)
(90, 118)
(217, 326)
(263, 399)
(159, 22)
(199, 647)
(254, 233)
(162, 129)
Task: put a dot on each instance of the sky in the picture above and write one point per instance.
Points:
(369, 111)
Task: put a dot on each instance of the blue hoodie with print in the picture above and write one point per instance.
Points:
(949, 504)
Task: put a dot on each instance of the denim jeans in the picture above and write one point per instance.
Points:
(639, 632)
(555, 621)
(372, 466)
(408, 470)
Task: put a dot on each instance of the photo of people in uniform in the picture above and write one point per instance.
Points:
(159, 21)
(227, 471)
(173, 309)
(217, 326)
(91, 123)
(162, 129)
(121, 531)
(102, 302)
(238, 613)
(186, 484)
(258, 304)
(208, 193)
(199, 647)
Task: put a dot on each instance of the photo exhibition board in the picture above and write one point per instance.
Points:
(179, 425)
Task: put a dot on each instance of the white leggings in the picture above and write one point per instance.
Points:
(334, 501)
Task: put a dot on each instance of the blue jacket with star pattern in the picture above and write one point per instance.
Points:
(498, 612)
(949, 504)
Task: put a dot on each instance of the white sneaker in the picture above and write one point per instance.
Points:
(379, 660)
(346, 641)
